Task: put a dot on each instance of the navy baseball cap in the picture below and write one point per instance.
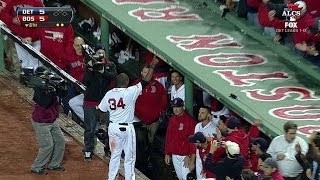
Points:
(177, 102)
(99, 46)
(197, 138)
(261, 143)
(233, 122)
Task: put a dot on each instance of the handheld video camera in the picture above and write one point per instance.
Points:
(96, 59)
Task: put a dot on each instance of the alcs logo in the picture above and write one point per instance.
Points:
(292, 12)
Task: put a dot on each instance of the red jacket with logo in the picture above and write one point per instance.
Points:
(77, 67)
(178, 132)
(55, 42)
(151, 103)
(9, 12)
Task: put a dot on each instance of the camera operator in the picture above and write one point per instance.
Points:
(98, 75)
(49, 135)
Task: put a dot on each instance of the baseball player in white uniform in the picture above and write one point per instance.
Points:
(120, 102)
(209, 129)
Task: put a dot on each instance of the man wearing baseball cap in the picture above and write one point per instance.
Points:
(231, 166)
(240, 137)
(270, 168)
(181, 126)
(203, 147)
(258, 146)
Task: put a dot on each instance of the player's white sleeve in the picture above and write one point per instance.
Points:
(137, 89)
(103, 106)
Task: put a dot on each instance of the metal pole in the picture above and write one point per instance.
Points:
(1, 52)
(189, 95)
(105, 34)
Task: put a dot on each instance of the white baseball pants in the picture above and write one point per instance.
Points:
(26, 59)
(76, 104)
(118, 141)
(181, 171)
(199, 166)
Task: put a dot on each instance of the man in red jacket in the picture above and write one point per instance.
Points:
(181, 126)
(9, 15)
(151, 104)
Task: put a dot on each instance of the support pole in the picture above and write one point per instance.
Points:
(105, 34)
(189, 96)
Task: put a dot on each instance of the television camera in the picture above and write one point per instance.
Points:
(44, 79)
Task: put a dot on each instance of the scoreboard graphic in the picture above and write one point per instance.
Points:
(45, 16)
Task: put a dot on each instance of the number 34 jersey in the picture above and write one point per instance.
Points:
(120, 102)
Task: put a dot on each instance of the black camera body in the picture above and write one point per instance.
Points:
(49, 82)
(96, 59)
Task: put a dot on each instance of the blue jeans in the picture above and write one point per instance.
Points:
(90, 123)
(253, 19)
(51, 145)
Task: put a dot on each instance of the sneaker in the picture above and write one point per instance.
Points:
(87, 156)
(40, 172)
(57, 168)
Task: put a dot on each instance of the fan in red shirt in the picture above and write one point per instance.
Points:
(55, 42)
(9, 16)
(75, 59)
(151, 104)
(181, 126)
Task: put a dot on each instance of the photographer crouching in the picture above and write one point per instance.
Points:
(47, 89)
(97, 78)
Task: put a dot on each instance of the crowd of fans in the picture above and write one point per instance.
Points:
(218, 143)
(273, 17)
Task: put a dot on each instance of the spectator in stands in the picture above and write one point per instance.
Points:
(231, 166)
(56, 42)
(304, 163)
(203, 147)
(97, 79)
(2, 5)
(218, 109)
(248, 174)
(9, 15)
(12, 60)
(282, 148)
(270, 168)
(222, 125)
(177, 89)
(208, 128)
(75, 67)
(252, 15)
(76, 59)
(258, 146)
(314, 152)
(240, 137)
(49, 135)
(264, 20)
(181, 126)
(151, 104)
(261, 159)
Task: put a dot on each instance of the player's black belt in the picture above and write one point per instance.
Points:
(123, 124)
